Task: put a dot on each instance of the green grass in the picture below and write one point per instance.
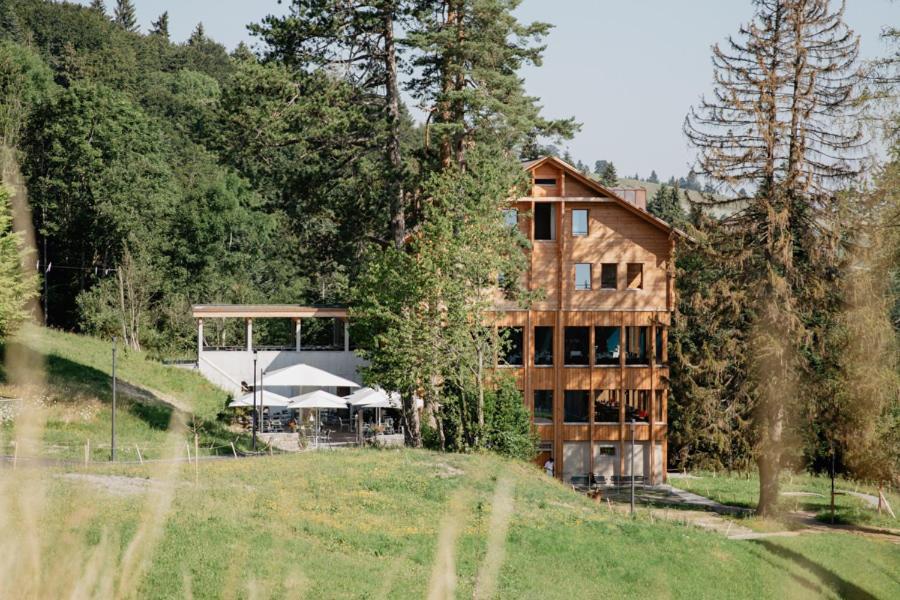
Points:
(77, 393)
(364, 524)
(742, 489)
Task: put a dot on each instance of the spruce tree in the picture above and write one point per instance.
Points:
(198, 35)
(654, 178)
(160, 27)
(124, 15)
(609, 177)
(782, 88)
(99, 6)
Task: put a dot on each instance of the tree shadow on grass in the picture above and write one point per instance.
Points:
(74, 379)
(832, 580)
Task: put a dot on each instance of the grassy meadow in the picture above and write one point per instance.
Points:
(373, 524)
(742, 489)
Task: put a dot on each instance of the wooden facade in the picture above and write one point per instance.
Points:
(607, 277)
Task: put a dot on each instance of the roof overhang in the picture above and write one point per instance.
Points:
(263, 311)
(595, 185)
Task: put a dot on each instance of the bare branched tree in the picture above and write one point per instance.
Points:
(783, 123)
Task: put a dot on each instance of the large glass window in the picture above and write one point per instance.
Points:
(635, 276)
(606, 406)
(636, 345)
(543, 346)
(511, 217)
(543, 406)
(576, 406)
(609, 274)
(544, 221)
(579, 222)
(637, 405)
(582, 276)
(660, 344)
(607, 345)
(512, 346)
(576, 345)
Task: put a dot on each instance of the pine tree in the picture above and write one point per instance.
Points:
(160, 27)
(16, 286)
(124, 15)
(654, 178)
(599, 167)
(780, 89)
(609, 177)
(198, 35)
(468, 54)
(99, 6)
(666, 204)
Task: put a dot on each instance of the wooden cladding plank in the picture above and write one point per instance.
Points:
(575, 432)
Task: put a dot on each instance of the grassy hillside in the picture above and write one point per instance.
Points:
(374, 524)
(71, 378)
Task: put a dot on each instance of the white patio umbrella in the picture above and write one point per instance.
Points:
(303, 375)
(318, 400)
(263, 398)
(363, 396)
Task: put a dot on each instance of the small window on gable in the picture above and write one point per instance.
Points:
(579, 222)
(544, 221)
(583, 276)
(609, 276)
(544, 181)
(635, 276)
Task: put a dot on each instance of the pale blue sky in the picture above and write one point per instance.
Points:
(626, 69)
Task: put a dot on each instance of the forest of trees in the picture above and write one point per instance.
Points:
(162, 174)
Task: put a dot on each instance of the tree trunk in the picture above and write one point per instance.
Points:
(769, 459)
(413, 424)
(392, 97)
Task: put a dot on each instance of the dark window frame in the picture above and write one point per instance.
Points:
(600, 357)
(569, 400)
(629, 276)
(544, 396)
(569, 344)
(544, 232)
(546, 357)
(604, 276)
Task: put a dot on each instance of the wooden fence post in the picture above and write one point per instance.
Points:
(196, 458)
(233, 451)
(140, 458)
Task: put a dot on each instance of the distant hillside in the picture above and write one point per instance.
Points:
(695, 196)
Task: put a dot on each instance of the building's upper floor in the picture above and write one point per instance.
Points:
(593, 248)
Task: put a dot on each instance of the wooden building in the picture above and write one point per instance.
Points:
(590, 357)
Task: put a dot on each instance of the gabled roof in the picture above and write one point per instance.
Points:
(595, 185)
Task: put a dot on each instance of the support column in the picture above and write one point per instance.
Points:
(249, 335)
(346, 335)
(199, 338)
(298, 330)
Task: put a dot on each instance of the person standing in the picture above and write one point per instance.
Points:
(548, 467)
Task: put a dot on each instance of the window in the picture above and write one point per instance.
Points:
(660, 344)
(658, 407)
(576, 346)
(545, 181)
(543, 406)
(635, 276)
(609, 275)
(582, 276)
(637, 405)
(576, 406)
(579, 222)
(606, 345)
(606, 406)
(543, 346)
(511, 217)
(606, 451)
(511, 350)
(544, 221)
(636, 345)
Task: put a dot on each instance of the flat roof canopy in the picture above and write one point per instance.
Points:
(263, 311)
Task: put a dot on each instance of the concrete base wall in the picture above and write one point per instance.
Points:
(228, 368)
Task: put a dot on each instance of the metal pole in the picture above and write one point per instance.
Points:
(46, 285)
(632, 467)
(112, 454)
(832, 482)
(253, 420)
